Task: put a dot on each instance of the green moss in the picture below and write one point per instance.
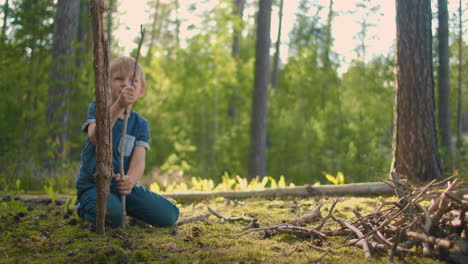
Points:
(50, 234)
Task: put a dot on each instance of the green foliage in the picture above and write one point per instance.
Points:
(228, 183)
(50, 189)
(198, 104)
(339, 179)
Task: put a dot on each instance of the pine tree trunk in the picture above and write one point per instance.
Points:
(109, 27)
(444, 86)
(154, 32)
(6, 10)
(233, 98)
(103, 121)
(239, 11)
(61, 73)
(460, 70)
(328, 43)
(258, 128)
(274, 79)
(414, 139)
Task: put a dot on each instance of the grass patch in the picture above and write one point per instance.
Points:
(53, 234)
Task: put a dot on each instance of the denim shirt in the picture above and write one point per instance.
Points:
(138, 134)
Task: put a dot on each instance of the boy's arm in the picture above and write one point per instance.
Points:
(135, 171)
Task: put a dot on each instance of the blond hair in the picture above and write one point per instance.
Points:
(126, 64)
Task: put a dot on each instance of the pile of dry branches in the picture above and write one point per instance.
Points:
(431, 221)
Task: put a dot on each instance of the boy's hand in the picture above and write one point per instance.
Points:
(125, 184)
(127, 96)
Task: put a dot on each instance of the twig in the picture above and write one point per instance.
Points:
(232, 218)
(330, 213)
(363, 242)
(185, 220)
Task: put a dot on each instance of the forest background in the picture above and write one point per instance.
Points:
(321, 117)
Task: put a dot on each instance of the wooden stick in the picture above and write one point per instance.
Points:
(124, 130)
(232, 218)
(185, 220)
(362, 242)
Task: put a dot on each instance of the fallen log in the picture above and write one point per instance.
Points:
(354, 189)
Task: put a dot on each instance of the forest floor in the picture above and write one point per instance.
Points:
(40, 233)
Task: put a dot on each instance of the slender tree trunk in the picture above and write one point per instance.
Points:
(154, 32)
(61, 73)
(460, 76)
(274, 80)
(329, 40)
(109, 27)
(414, 139)
(82, 30)
(258, 128)
(239, 12)
(177, 22)
(6, 11)
(103, 121)
(444, 86)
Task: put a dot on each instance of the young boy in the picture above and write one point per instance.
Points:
(141, 203)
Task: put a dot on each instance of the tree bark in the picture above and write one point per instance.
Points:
(154, 32)
(83, 25)
(444, 86)
(233, 97)
(258, 129)
(239, 11)
(109, 27)
(329, 39)
(460, 76)
(6, 11)
(274, 79)
(103, 121)
(414, 139)
(61, 74)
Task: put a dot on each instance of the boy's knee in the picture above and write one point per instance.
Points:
(171, 217)
(87, 209)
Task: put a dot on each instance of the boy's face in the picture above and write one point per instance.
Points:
(121, 79)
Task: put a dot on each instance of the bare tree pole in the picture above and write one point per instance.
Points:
(258, 127)
(460, 78)
(274, 79)
(103, 115)
(444, 86)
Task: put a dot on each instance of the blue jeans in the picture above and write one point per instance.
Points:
(142, 204)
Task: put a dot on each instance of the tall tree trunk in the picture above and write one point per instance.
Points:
(329, 40)
(6, 11)
(274, 79)
(238, 11)
(177, 22)
(460, 76)
(109, 27)
(414, 138)
(444, 86)
(258, 129)
(104, 167)
(82, 30)
(154, 32)
(61, 73)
